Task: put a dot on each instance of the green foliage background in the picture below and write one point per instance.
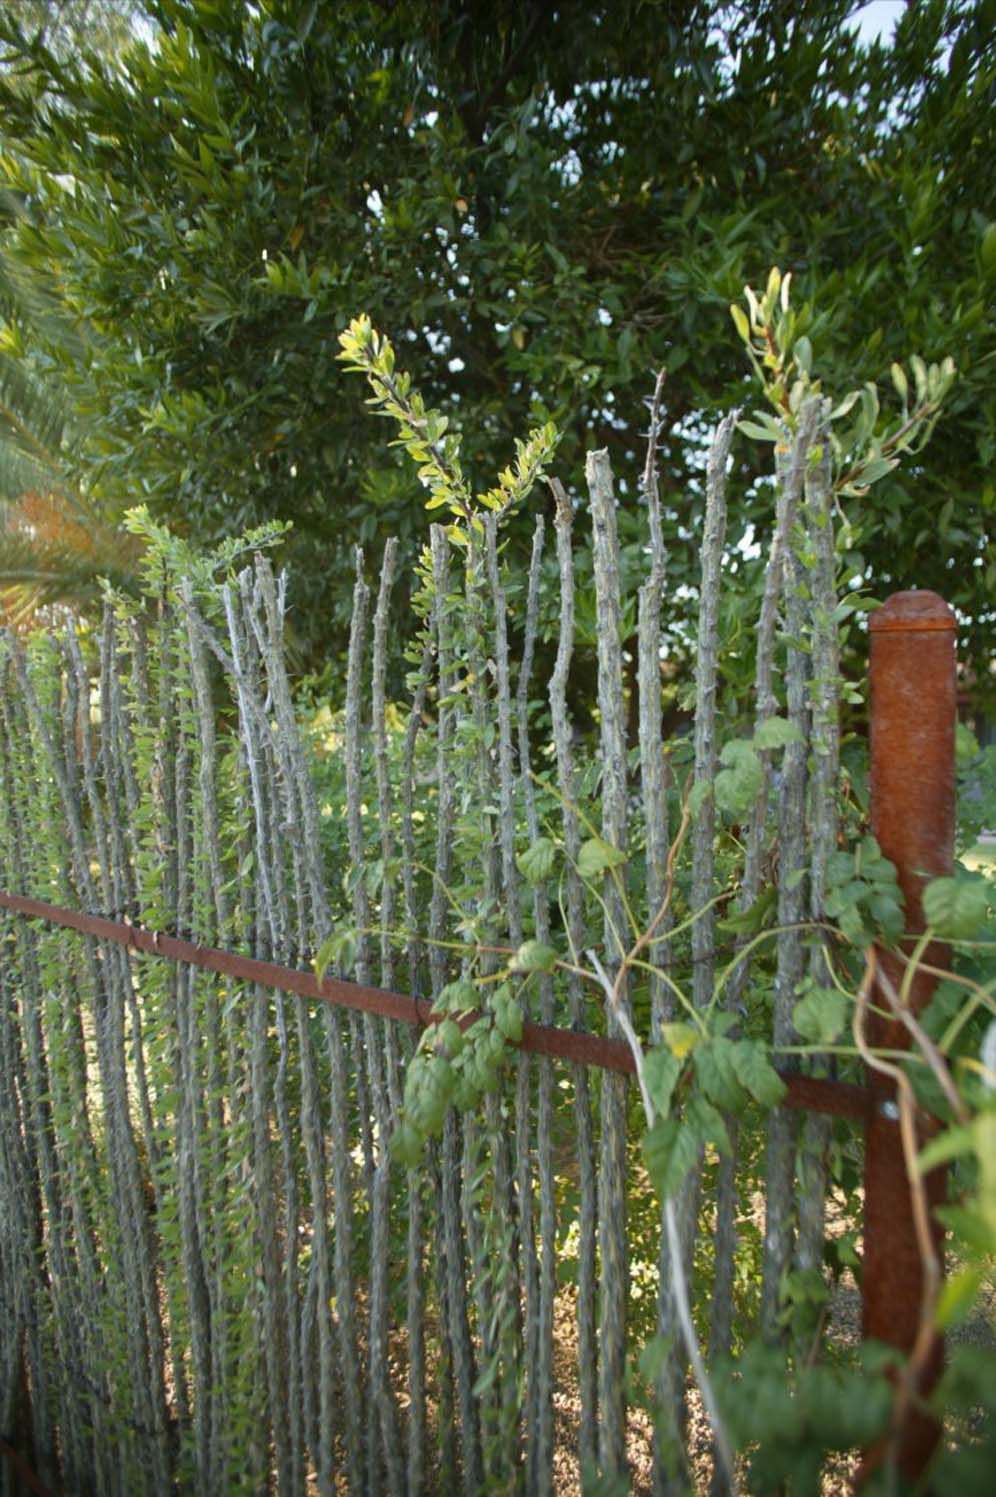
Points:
(541, 204)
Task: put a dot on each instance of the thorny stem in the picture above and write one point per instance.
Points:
(672, 858)
(724, 1449)
(650, 483)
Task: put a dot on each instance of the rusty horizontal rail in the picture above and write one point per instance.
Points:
(811, 1093)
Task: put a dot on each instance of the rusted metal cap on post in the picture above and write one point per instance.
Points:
(912, 612)
(913, 709)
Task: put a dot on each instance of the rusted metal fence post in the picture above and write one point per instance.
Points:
(913, 710)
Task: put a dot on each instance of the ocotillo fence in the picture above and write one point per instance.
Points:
(217, 1272)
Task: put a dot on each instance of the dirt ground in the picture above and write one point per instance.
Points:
(843, 1330)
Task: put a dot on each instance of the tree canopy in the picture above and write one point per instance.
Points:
(67, 25)
(542, 204)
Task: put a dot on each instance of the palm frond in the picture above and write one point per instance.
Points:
(57, 545)
(59, 551)
(21, 474)
(32, 413)
(29, 298)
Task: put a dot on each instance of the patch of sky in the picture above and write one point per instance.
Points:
(568, 168)
(877, 21)
(438, 341)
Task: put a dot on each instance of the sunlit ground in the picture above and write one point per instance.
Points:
(982, 855)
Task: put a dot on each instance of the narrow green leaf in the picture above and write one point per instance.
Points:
(759, 433)
(875, 469)
(740, 321)
(900, 381)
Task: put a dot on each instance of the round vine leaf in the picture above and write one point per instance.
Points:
(534, 956)
(956, 907)
(508, 1017)
(596, 855)
(460, 997)
(407, 1145)
(661, 1071)
(493, 1047)
(669, 1152)
(737, 784)
(536, 863)
(821, 1015)
(449, 1039)
(680, 1038)
(467, 1092)
(756, 1074)
(776, 733)
(717, 1075)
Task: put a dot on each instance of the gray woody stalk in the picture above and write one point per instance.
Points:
(583, 1121)
(612, 1168)
(792, 892)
